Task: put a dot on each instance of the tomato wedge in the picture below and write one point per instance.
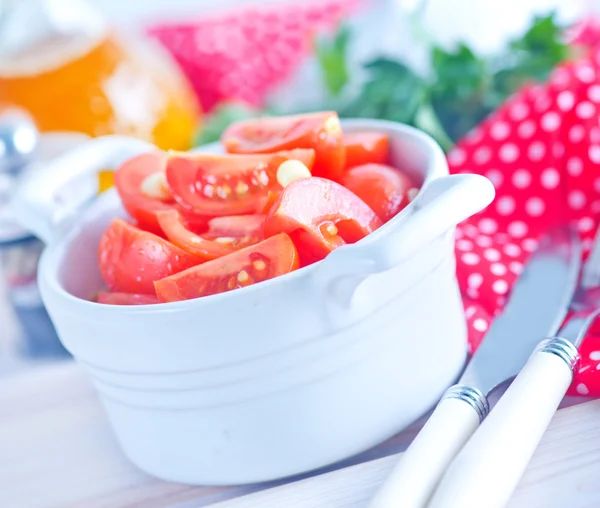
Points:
(366, 147)
(236, 230)
(132, 259)
(383, 188)
(237, 226)
(320, 131)
(216, 184)
(176, 231)
(270, 258)
(125, 298)
(320, 215)
(128, 182)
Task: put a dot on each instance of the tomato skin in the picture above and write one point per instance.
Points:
(308, 208)
(270, 258)
(176, 231)
(269, 201)
(321, 131)
(227, 184)
(109, 298)
(128, 180)
(365, 147)
(131, 259)
(383, 188)
(237, 225)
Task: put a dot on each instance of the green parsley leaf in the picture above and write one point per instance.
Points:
(332, 58)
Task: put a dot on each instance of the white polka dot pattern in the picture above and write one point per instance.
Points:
(541, 150)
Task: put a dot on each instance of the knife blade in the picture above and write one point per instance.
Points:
(491, 464)
(538, 303)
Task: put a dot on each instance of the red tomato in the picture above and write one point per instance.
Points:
(214, 184)
(270, 258)
(132, 259)
(176, 231)
(366, 147)
(239, 231)
(236, 225)
(128, 181)
(126, 298)
(320, 215)
(270, 201)
(320, 131)
(383, 188)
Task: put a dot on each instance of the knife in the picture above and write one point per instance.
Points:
(537, 307)
(491, 464)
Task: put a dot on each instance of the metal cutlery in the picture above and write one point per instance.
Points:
(488, 468)
(588, 295)
(590, 275)
(537, 307)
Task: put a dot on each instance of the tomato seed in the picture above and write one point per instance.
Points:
(228, 240)
(241, 188)
(328, 229)
(263, 178)
(244, 278)
(155, 186)
(259, 265)
(231, 283)
(209, 191)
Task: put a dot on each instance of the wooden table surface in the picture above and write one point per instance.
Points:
(57, 451)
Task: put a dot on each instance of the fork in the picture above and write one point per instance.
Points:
(588, 295)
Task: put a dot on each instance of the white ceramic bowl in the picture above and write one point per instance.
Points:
(274, 379)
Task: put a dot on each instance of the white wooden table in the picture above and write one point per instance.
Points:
(57, 451)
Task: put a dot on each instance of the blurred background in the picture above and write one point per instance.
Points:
(176, 72)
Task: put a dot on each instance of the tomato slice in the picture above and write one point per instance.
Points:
(132, 259)
(270, 258)
(320, 131)
(239, 231)
(128, 181)
(176, 231)
(215, 184)
(383, 188)
(320, 215)
(366, 147)
(270, 201)
(237, 225)
(125, 298)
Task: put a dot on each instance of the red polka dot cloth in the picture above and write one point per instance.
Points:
(242, 55)
(541, 150)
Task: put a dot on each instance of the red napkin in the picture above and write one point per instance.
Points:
(541, 150)
(243, 54)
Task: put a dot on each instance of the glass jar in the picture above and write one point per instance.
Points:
(71, 71)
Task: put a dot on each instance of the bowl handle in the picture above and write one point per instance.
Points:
(38, 203)
(444, 203)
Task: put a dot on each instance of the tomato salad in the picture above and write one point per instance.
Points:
(288, 191)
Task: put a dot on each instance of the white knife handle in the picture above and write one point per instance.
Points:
(454, 420)
(489, 467)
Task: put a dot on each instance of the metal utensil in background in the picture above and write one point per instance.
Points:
(19, 249)
(537, 307)
(487, 470)
(587, 297)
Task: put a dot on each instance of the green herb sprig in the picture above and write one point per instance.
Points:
(463, 87)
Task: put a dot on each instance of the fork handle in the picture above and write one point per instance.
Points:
(414, 478)
(489, 467)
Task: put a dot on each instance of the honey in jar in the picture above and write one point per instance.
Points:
(64, 64)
